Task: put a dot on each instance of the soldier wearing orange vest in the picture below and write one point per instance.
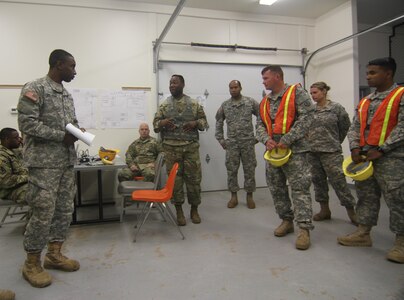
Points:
(377, 135)
(285, 117)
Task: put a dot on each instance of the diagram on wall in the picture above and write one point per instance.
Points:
(102, 108)
(122, 109)
(85, 102)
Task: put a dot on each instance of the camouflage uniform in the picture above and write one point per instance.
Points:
(388, 171)
(240, 142)
(296, 170)
(182, 147)
(13, 176)
(142, 153)
(328, 131)
(44, 109)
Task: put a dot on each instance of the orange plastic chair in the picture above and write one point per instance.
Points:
(158, 198)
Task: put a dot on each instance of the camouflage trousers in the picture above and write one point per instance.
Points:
(387, 179)
(296, 171)
(329, 164)
(189, 172)
(145, 170)
(50, 196)
(243, 151)
(18, 194)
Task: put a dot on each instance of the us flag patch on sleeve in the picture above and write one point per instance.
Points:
(31, 96)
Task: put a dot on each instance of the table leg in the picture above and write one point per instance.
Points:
(100, 204)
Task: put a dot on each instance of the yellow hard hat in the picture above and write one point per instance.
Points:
(358, 172)
(108, 154)
(278, 156)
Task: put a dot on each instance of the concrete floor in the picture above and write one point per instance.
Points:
(232, 254)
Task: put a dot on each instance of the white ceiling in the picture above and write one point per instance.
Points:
(293, 8)
(369, 11)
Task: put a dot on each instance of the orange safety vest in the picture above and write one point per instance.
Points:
(384, 120)
(284, 116)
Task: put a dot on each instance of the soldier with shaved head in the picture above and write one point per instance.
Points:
(240, 142)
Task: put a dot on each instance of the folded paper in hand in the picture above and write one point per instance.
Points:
(86, 137)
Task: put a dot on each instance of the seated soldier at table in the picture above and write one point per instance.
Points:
(13, 174)
(140, 157)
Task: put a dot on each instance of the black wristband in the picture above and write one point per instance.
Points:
(380, 149)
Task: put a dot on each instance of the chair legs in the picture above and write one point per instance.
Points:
(172, 218)
(5, 215)
(142, 212)
(123, 207)
(141, 215)
(164, 211)
(161, 210)
(149, 204)
(10, 212)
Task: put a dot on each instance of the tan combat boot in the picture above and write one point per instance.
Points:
(33, 272)
(196, 219)
(6, 295)
(233, 200)
(250, 201)
(303, 239)
(324, 213)
(285, 228)
(396, 253)
(54, 259)
(359, 238)
(352, 215)
(180, 216)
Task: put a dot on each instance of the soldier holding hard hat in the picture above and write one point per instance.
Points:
(376, 135)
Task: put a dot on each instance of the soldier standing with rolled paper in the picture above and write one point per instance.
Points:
(45, 108)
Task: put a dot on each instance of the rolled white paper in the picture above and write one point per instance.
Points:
(86, 137)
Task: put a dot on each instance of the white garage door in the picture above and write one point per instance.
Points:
(212, 80)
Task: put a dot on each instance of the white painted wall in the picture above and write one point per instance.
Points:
(336, 66)
(110, 47)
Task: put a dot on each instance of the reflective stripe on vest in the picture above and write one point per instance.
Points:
(384, 119)
(284, 116)
(363, 103)
(288, 110)
(265, 115)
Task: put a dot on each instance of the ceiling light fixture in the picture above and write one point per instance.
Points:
(267, 2)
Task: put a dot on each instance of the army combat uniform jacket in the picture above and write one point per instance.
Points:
(12, 172)
(44, 109)
(238, 116)
(295, 138)
(329, 128)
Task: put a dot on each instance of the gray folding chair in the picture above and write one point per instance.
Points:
(125, 188)
(13, 212)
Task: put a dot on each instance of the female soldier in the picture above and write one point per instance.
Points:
(327, 132)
